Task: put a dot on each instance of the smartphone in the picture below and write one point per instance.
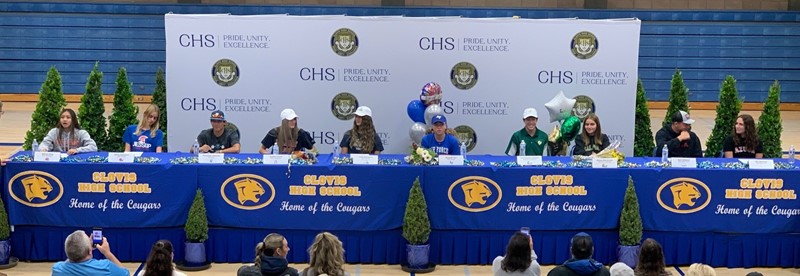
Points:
(97, 235)
(525, 230)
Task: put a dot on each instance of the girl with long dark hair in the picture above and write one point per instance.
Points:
(68, 136)
(362, 138)
(743, 141)
(520, 259)
(159, 262)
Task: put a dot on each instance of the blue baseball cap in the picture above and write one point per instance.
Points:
(439, 119)
(218, 116)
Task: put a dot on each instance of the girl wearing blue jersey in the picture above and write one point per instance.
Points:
(146, 136)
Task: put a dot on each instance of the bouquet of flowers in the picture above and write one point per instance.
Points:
(422, 156)
(612, 151)
(303, 157)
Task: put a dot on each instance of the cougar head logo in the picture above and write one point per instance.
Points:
(36, 187)
(248, 189)
(684, 193)
(475, 192)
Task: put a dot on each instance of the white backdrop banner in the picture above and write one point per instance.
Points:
(324, 67)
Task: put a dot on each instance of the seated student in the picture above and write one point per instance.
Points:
(520, 259)
(440, 141)
(581, 263)
(679, 138)
(218, 138)
(159, 262)
(326, 256)
(651, 260)
(743, 142)
(146, 136)
(592, 139)
(362, 138)
(68, 136)
(535, 139)
(270, 258)
(288, 136)
(697, 269)
(78, 247)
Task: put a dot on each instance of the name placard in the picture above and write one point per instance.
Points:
(276, 159)
(211, 158)
(46, 156)
(121, 157)
(451, 160)
(760, 164)
(529, 160)
(677, 162)
(604, 163)
(364, 159)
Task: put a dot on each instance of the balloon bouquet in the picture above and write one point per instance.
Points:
(560, 109)
(422, 111)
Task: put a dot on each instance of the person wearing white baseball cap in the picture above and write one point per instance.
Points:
(678, 137)
(362, 138)
(288, 137)
(535, 139)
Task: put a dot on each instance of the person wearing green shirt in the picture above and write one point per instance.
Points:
(535, 139)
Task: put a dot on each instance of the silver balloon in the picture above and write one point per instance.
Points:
(431, 111)
(417, 131)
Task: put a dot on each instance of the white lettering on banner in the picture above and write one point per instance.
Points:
(144, 206)
(325, 207)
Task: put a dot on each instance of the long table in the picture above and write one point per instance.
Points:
(719, 216)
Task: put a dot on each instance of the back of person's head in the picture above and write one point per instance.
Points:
(755, 273)
(621, 269)
(697, 269)
(77, 246)
(518, 253)
(582, 246)
(326, 255)
(159, 262)
(651, 259)
(269, 246)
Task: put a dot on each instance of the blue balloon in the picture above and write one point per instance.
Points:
(416, 111)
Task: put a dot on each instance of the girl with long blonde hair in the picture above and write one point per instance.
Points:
(326, 256)
(146, 136)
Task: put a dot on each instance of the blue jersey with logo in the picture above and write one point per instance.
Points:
(143, 141)
(449, 145)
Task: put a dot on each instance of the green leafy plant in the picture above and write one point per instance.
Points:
(160, 100)
(678, 97)
(630, 221)
(5, 228)
(48, 109)
(91, 113)
(770, 124)
(416, 224)
(643, 143)
(123, 114)
(727, 110)
(197, 223)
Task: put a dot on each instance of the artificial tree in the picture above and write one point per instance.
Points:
(124, 112)
(770, 125)
(630, 227)
(678, 97)
(642, 137)
(160, 100)
(91, 112)
(48, 109)
(727, 110)
(417, 227)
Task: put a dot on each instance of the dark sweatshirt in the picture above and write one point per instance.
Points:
(688, 148)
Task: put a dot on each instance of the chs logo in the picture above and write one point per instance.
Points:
(584, 45)
(225, 72)
(35, 188)
(583, 106)
(475, 194)
(683, 195)
(464, 75)
(344, 105)
(248, 191)
(344, 42)
(467, 135)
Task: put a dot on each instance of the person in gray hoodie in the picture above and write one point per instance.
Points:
(520, 258)
(68, 136)
(270, 258)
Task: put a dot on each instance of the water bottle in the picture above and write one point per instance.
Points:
(791, 153)
(664, 154)
(274, 149)
(336, 149)
(463, 150)
(196, 147)
(35, 146)
(522, 148)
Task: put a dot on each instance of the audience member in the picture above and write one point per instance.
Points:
(159, 262)
(754, 273)
(651, 260)
(581, 263)
(218, 138)
(592, 139)
(440, 141)
(326, 256)
(362, 138)
(743, 141)
(520, 259)
(78, 247)
(288, 136)
(678, 137)
(621, 269)
(700, 270)
(146, 136)
(535, 139)
(270, 258)
(68, 136)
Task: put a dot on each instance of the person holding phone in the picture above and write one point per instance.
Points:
(78, 247)
(520, 258)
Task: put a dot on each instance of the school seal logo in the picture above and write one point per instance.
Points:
(225, 72)
(344, 105)
(583, 106)
(467, 136)
(584, 45)
(464, 75)
(344, 42)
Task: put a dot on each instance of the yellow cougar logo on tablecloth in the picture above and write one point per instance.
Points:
(248, 189)
(36, 187)
(475, 192)
(684, 194)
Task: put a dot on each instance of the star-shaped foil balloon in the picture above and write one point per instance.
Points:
(560, 107)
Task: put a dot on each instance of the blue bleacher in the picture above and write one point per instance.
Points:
(756, 47)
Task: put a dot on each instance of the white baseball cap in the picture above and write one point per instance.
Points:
(530, 112)
(288, 114)
(363, 111)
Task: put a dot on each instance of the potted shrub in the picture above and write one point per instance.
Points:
(196, 233)
(417, 230)
(5, 244)
(630, 228)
